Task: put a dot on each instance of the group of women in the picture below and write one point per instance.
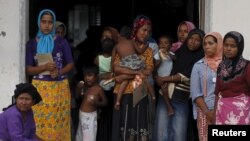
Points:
(206, 67)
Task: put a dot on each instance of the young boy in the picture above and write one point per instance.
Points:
(93, 97)
(165, 68)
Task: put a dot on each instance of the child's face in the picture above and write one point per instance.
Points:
(164, 43)
(90, 79)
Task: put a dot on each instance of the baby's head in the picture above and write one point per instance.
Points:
(165, 41)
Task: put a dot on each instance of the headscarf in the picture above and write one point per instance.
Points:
(46, 42)
(27, 88)
(213, 62)
(229, 68)
(139, 21)
(185, 58)
(177, 45)
(58, 23)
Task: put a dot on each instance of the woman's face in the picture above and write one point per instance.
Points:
(194, 42)
(210, 46)
(182, 33)
(24, 102)
(46, 24)
(106, 34)
(230, 49)
(143, 33)
(60, 31)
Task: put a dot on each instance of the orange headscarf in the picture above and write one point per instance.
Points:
(214, 61)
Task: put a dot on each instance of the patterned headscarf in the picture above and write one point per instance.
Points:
(46, 42)
(229, 68)
(213, 62)
(139, 21)
(177, 45)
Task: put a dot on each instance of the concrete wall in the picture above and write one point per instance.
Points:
(13, 36)
(227, 15)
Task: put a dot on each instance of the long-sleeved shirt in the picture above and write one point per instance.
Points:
(200, 72)
(14, 128)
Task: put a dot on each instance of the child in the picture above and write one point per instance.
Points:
(93, 96)
(165, 68)
(103, 60)
(127, 51)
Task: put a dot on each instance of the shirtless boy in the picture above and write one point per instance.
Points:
(93, 97)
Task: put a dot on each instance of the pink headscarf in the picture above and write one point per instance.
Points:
(178, 44)
(213, 62)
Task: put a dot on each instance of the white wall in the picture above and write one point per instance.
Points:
(13, 22)
(227, 15)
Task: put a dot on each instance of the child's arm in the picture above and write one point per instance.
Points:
(102, 98)
(79, 88)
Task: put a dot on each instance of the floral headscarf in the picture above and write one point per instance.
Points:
(139, 21)
(229, 68)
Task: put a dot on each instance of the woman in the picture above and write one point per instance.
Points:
(52, 116)
(60, 29)
(233, 84)
(17, 121)
(203, 80)
(175, 127)
(182, 32)
(131, 123)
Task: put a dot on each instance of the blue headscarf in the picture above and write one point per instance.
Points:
(46, 41)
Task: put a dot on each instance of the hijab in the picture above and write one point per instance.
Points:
(214, 61)
(229, 68)
(190, 26)
(46, 41)
(185, 58)
(58, 23)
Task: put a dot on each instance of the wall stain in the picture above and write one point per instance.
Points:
(3, 33)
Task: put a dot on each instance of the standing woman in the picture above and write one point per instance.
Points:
(178, 124)
(203, 79)
(182, 32)
(131, 122)
(52, 116)
(233, 83)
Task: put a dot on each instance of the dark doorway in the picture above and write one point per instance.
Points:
(165, 14)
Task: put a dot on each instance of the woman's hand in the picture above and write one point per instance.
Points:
(210, 116)
(159, 80)
(50, 66)
(54, 73)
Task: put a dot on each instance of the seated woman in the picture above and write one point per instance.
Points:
(17, 121)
